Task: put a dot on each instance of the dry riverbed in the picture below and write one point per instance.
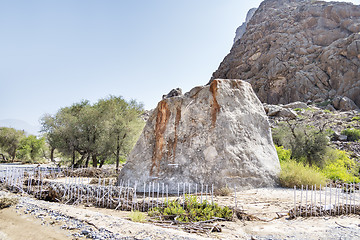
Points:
(34, 219)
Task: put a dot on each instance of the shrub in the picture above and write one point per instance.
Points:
(352, 134)
(297, 174)
(357, 118)
(224, 191)
(307, 144)
(283, 154)
(192, 211)
(340, 167)
(137, 216)
(6, 202)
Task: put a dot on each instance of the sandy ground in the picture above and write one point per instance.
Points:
(14, 225)
(266, 204)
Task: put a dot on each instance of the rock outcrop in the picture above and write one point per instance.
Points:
(299, 50)
(242, 29)
(215, 134)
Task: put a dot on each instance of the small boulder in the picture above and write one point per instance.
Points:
(344, 103)
(278, 111)
(294, 105)
(330, 108)
(173, 93)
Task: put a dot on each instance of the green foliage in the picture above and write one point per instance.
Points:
(137, 216)
(193, 211)
(31, 149)
(9, 142)
(307, 144)
(283, 154)
(296, 174)
(103, 132)
(352, 134)
(340, 167)
(357, 118)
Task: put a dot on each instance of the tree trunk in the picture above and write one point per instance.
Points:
(13, 155)
(87, 160)
(94, 161)
(79, 162)
(118, 153)
(101, 163)
(3, 157)
(73, 158)
(52, 154)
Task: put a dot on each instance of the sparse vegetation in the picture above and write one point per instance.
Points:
(352, 134)
(307, 144)
(296, 174)
(340, 167)
(191, 211)
(6, 202)
(306, 158)
(137, 216)
(357, 118)
(224, 191)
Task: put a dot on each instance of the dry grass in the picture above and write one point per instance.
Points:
(224, 191)
(6, 202)
(136, 216)
(296, 174)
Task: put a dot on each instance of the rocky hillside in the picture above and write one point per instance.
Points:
(299, 50)
(316, 116)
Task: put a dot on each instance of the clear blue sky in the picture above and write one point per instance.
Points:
(55, 53)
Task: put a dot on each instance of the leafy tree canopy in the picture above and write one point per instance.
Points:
(96, 132)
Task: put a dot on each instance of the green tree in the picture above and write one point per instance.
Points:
(123, 125)
(31, 148)
(307, 144)
(9, 142)
(84, 132)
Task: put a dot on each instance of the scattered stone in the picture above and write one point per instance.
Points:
(330, 108)
(278, 111)
(294, 105)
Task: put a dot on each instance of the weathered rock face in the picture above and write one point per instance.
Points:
(216, 134)
(242, 29)
(299, 50)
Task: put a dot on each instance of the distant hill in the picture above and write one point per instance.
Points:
(20, 125)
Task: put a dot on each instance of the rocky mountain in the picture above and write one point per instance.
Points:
(299, 50)
(204, 137)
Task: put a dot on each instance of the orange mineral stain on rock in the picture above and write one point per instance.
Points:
(215, 107)
(163, 115)
(177, 121)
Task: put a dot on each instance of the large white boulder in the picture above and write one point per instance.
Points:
(216, 134)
